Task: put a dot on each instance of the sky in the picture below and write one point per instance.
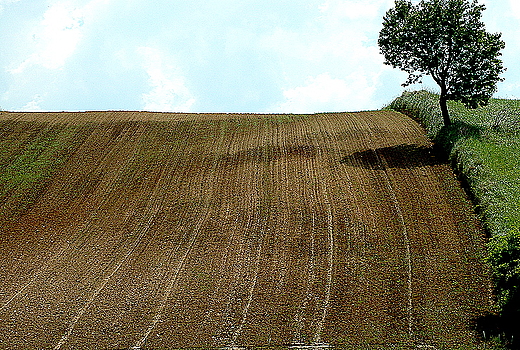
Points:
(245, 56)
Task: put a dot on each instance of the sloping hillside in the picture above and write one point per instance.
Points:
(159, 231)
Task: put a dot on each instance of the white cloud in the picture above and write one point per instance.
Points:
(342, 28)
(341, 42)
(515, 8)
(34, 105)
(169, 92)
(324, 94)
(55, 38)
(331, 43)
(58, 34)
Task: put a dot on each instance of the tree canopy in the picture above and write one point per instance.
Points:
(447, 40)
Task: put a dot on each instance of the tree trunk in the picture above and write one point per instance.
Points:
(444, 109)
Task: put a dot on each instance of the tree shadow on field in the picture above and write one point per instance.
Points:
(400, 156)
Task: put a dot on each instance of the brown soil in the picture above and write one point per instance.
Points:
(169, 230)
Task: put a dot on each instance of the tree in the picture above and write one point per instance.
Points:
(447, 40)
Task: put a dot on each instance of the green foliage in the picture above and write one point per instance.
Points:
(445, 39)
(504, 256)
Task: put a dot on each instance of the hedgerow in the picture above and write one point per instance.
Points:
(483, 147)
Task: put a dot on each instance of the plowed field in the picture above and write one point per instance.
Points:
(124, 230)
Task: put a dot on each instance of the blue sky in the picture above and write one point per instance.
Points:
(269, 56)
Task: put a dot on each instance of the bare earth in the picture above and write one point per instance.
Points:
(166, 230)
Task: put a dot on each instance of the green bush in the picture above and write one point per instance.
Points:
(504, 256)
